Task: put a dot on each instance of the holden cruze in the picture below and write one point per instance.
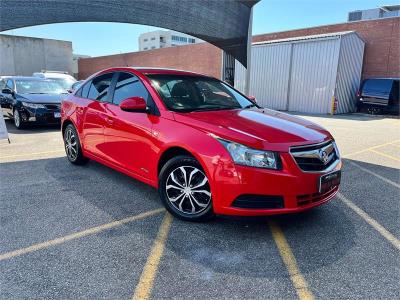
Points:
(206, 147)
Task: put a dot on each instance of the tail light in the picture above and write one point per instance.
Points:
(358, 93)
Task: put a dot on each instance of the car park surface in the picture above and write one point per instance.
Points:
(91, 232)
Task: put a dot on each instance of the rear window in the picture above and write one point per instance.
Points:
(378, 85)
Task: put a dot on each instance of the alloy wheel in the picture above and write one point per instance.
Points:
(188, 190)
(71, 147)
(17, 118)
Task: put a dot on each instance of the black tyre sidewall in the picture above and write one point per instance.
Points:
(21, 124)
(80, 159)
(165, 171)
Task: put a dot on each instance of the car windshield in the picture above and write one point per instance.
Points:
(38, 87)
(197, 93)
(64, 82)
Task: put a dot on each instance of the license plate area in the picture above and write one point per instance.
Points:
(57, 115)
(328, 181)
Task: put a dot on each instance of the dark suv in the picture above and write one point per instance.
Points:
(377, 95)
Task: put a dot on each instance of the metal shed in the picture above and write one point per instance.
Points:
(305, 74)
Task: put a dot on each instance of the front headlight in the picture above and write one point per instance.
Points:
(32, 105)
(246, 156)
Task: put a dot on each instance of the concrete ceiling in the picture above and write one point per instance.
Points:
(223, 23)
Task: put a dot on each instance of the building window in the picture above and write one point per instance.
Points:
(192, 41)
(145, 40)
(179, 39)
(152, 47)
(145, 48)
(153, 38)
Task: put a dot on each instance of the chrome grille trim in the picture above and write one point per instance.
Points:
(316, 158)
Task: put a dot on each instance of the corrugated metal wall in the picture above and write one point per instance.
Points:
(304, 75)
(313, 75)
(349, 72)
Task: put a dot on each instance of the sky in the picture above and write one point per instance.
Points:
(97, 39)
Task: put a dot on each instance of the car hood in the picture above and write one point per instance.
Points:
(258, 128)
(42, 98)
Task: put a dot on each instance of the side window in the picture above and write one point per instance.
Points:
(2, 84)
(84, 90)
(129, 85)
(100, 86)
(10, 84)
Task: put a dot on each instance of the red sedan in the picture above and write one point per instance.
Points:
(206, 147)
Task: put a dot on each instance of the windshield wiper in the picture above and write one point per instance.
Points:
(250, 106)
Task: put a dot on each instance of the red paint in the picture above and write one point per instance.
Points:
(133, 143)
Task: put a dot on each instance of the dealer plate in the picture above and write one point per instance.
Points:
(57, 115)
(328, 181)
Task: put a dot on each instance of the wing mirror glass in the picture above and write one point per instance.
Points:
(134, 104)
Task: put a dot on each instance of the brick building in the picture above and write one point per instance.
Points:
(381, 57)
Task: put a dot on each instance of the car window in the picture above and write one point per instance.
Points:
(84, 90)
(10, 84)
(197, 93)
(378, 85)
(100, 86)
(2, 84)
(128, 85)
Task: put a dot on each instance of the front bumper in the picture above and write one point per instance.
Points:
(40, 115)
(297, 190)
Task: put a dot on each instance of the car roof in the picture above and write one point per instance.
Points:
(155, 71)
(24, 78)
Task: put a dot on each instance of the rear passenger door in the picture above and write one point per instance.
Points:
(128, 135)
(97, 92)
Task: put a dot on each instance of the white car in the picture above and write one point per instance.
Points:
(64, 79)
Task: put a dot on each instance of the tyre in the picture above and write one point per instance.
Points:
(185, 190)
(18, 123)
(72, 146)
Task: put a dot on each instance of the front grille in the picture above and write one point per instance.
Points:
(52, 106)
(258, 202)
(315, 158)
(313, 198)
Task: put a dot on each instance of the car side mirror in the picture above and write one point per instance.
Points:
(134, 104)
(252, 99)
(70, 91)
(7, 91)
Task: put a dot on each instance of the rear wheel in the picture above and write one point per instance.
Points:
(184, 189)
(73, 147)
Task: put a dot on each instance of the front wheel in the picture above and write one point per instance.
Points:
(73, 147)
(185, 190)
(17, 119)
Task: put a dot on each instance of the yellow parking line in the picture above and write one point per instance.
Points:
(145, 285)
(298, 280)
(370, 148)
(378, 227)
(375, 174)
(30, 154)
(386, 155)
(77, 235)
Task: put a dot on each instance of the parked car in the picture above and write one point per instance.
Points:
(378, 95)
(63, 78)
(31, 99)
(206, 147)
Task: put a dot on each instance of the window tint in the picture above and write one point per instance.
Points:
(129, 85)
(378, 85)
(84, 90)
(100, 86)
(10, 84)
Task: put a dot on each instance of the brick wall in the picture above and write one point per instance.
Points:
(382, 43)
(381, 57)
(202, 58)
